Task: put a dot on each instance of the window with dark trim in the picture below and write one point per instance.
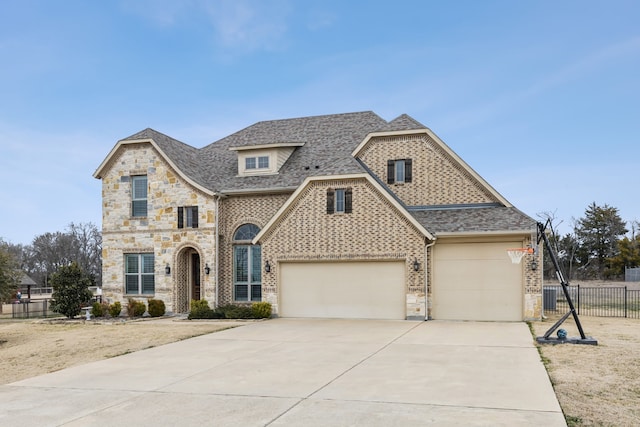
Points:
(339, 200)
(247, 264)
(139, 277)
(139, 195)
(399, 171)
(187, 217)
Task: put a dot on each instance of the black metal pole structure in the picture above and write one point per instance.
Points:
(572, 310)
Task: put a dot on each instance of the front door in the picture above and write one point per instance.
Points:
(247, 273)
(195, 276)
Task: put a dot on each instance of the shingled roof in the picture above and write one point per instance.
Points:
(400, 123)
(326, 146)
(328, 143)
(472, 219)
(184, 156)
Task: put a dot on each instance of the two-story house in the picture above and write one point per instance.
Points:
(343, 215)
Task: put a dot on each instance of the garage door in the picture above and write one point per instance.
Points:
(360, 290)
(476, 281)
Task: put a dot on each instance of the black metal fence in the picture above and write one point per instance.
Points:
(593, 301)
(32, 308)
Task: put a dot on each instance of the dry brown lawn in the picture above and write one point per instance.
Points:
(596, 385)
(34, 347)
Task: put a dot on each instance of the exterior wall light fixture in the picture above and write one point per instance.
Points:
(534, 265)
(267, 266)
(207, 270)
(416, 265)
(167, 270)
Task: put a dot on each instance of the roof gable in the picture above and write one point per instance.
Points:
(181, 157)
(292, 203)
(438, 152)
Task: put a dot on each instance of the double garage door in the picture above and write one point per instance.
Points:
(476, 281)
(471, 281)
(357, 290)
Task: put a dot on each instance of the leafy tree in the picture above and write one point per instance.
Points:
(628, 255)
(10, 273)
(70, 290)
(598, 233)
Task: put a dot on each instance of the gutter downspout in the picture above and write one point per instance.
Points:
(426, 279)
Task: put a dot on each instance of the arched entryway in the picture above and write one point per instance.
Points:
(247, 265)
(188, 283)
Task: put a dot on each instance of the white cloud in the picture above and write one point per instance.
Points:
(249, 25)
(239, 25)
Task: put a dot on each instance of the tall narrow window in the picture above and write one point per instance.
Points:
(247, 265)
(339, 200)
(399, 171)
(187, 217)
(139, 274)
(139, 195)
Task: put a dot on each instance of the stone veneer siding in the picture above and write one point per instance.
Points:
(157, 233)
(533, 283)
(375, 230)
(437, 178)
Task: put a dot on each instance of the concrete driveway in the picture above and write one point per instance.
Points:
(305, 372)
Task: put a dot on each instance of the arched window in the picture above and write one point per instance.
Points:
(246, 232)
(247, 265)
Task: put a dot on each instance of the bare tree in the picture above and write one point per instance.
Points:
(80, 243)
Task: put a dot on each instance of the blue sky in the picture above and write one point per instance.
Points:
(541, 98)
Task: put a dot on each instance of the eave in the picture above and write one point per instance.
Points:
(445, 147)
(276, 218)
(105, 165)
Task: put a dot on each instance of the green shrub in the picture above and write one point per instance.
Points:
(97, 310)
(70, 290)
(261, 310)
(156, 308)
(231, 311)
(135, 308)
(200, 310)
(115, 309)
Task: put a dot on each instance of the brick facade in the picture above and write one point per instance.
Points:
(437, 178)
(235, 211)
(377, 229)
(374, 231)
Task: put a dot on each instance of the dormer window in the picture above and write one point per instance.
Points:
(263, 159)
(260, 162)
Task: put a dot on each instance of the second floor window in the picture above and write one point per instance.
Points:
(260, 162)
(339, 200)
(399, 171)
(139, 195)
(187, 217)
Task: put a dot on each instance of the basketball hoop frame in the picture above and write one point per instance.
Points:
(516, 254)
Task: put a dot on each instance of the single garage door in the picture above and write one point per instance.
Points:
(476, 281)
(360, 290)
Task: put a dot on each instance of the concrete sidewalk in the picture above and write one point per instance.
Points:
(305, 372)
